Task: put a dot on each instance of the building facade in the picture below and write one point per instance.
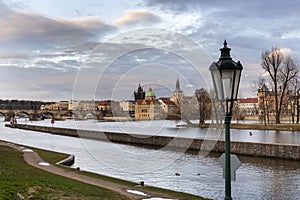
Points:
(148, 108)
(249, 106)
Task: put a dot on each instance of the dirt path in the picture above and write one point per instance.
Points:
(33, 159)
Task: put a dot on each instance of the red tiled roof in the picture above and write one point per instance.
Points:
(103, 103)
(248, 100)
(167, 101)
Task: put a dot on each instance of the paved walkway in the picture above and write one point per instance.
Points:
(33, 159)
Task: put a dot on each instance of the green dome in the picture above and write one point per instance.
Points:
(150, 93)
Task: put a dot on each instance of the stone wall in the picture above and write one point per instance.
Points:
(243, 148)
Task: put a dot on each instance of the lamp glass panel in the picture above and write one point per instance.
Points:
(227, 79)
(236, 83)
(217, 81)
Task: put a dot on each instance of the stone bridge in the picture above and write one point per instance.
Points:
(53, 114)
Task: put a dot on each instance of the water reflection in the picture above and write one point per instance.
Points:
(257, 178)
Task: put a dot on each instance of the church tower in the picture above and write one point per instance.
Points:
(139, 94)
(177, 93)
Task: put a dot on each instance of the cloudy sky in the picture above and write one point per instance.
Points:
(62, 49)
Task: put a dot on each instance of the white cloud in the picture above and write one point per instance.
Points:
(34, 29)
(285, 51)
(137, 17)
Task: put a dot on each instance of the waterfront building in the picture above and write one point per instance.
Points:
(104, 105)
(128, 107)
(249, 106)
(88, 105)
(62, 105)
(148, 108)
(73, 105)
(169, 108)
(82, 105)
(267, 104)
(187, 106)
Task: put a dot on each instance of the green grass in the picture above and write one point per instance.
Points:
(19, 180)
(50, 156)
(53, 157)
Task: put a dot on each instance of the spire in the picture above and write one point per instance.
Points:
(177, 85)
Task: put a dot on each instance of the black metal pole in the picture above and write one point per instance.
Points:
(227, 122)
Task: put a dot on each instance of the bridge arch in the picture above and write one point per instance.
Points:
(2, 115)
(90, 115)
(32, 115)
(47, 115)
(22, 113)
(8, 114)
(69, 114)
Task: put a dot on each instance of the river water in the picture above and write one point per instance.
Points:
(257, 178)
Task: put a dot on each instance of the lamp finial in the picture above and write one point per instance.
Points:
(225, 43)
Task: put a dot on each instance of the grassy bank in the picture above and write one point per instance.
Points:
(276, 127)
(21, 181)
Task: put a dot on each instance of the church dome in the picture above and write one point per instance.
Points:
(150, 93)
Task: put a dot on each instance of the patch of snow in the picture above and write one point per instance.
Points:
(137, 192)
(44, 164)
(27, 150)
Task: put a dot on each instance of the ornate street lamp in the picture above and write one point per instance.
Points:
(226, 75)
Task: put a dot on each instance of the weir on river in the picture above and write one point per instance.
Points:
(202, 145)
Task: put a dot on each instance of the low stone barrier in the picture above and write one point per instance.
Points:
(284, 151)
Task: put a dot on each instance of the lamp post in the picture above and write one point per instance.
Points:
(226, 75)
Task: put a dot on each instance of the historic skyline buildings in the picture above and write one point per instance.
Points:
(174, 107)
(147, 106)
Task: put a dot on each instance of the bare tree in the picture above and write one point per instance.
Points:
(204, 102)
(217, 109)
(281, 71)
(238, 114)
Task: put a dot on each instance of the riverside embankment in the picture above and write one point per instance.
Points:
(285, 151)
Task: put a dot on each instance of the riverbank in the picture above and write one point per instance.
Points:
(285, 151)
(254, 126)
(34, 183)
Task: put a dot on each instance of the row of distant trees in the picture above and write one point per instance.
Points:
(21, 104)
(282, 77)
